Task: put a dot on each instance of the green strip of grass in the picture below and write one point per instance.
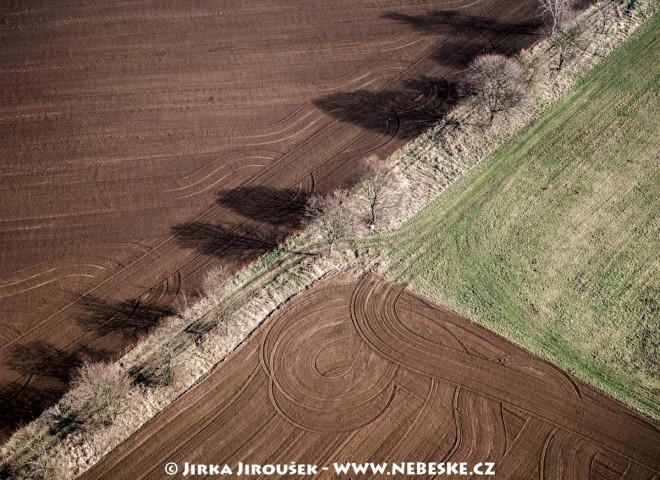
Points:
(553, 241)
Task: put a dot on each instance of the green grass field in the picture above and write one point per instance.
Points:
(553, 240)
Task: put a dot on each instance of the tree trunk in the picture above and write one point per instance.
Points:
(491, 118)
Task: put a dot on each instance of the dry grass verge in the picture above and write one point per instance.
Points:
(192, 342)
(186, 347)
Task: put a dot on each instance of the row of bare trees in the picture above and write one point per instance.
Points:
(566, 33)
(557, 13)
(372, 203)
(496, 83)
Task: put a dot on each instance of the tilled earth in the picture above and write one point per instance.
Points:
(143, 142)
(367, 371)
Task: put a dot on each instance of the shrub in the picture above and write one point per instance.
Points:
(98, 392)
(216, 278)
(377, 190)
(497, 82)
(332, 218)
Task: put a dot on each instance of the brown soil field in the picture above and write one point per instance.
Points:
(366, 371)
(143, 142)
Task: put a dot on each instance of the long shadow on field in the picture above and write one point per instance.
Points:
(236, 243)
(49, 370)
(420, 102)
(464, 25)
(283, 208)
(469, 35)
(20, 404)
(130, 319)
(266, 217)
(405, 113)
(42, 359)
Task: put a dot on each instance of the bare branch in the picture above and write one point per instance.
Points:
(607, 10)
(216, 278)
(566, 40)
(554, 12)
(98, 392)
(331, 218)
(497, 82)
(376, 190)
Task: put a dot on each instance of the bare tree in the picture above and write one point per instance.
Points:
(156, 367)
(376, 189)
(554, 12)
(216, 278)
(331, 217)
(98, 392)
(566, 40)
(497, 82)
(162, 371)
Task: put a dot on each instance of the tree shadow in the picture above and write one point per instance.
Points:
(236, 243)
(421, 102)
(458, 55)
(268, 216)
(468, 35)
(131, 319)
(277, 207)
(48, 370)
(464, 25)
(42, 359)
(406, 113)
(463, 36)
(20, 404)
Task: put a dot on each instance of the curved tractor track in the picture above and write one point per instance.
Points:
(143, 141)
(369, 372)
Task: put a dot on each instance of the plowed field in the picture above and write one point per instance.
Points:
(144, 141)
(369, 372)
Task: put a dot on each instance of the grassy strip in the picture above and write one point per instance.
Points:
(552, 241)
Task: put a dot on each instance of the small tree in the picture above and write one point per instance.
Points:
(554, 12)
(497, 82)
(565, 41)
(331, 218)
(98, 392)
(216, 278)
(376, 189)
(156, 370)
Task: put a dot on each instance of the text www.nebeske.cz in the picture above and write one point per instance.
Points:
(402, 468)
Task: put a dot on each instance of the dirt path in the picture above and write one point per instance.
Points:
(369, 372)
(142, 143)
